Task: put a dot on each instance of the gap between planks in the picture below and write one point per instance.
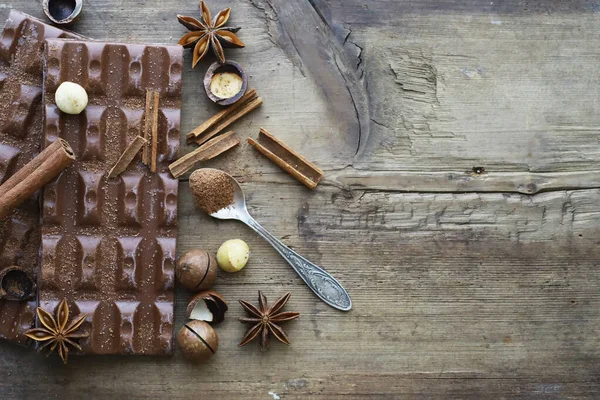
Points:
(444, 182)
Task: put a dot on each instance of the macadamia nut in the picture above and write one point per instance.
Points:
(226, 84)
(71, 98)
(197, 341)
(233, 255)
(196, 270)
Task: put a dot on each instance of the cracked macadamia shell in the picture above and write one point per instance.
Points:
(16, 284)
(196, 270)
(197, 341)
(62, 12)
(235, 79)
(207, 306)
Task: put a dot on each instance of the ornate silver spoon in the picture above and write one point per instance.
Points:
(318, 280)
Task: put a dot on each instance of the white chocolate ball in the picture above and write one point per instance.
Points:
(71, 98)
(233, 255)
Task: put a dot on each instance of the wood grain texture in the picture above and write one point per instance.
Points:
(465, 286)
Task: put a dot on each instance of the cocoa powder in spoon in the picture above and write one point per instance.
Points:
(212, 189)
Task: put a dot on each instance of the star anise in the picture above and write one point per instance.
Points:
(209, 33)
(57, 332)
(265, 320)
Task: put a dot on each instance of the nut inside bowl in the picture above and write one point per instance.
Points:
(225, 83)
(16, 285)
(62, 12)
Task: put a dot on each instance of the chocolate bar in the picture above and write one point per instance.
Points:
(20, 139)
(109, 244)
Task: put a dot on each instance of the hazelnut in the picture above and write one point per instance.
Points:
(197, 341)
(71, 98)
(207, 306)
(196, 270)
(233, 255)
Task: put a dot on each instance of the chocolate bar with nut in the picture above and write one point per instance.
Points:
(109, 243)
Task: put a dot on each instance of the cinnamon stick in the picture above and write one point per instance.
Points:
(224, 118)
(287, 159)
(127, 157)
(33, 176)
(230, 120)
(249, 95)
(207, 151)
(154, 132)
(147, 127)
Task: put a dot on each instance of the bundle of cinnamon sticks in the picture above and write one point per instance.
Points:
(212, 144)
(224, 118)
(206, 133)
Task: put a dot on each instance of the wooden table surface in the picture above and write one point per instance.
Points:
(464, 285)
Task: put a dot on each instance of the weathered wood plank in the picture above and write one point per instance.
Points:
(497, 99)
(386, 12)
(468, 181)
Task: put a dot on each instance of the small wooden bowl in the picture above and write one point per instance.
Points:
(62, 12)
(217, 68)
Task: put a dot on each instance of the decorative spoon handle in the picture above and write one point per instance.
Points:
(318, 280)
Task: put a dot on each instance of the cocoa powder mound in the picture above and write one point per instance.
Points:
(212, 189)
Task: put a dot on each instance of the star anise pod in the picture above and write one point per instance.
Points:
(265, 320)
(58, 332)
(209, 33)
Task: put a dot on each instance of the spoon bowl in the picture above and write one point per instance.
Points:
(237, 209)
(325, 286)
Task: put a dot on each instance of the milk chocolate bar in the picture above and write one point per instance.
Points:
(21, 64)
(109, 244)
